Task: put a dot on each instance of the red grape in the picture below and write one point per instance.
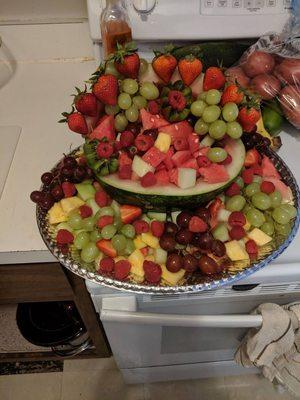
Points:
(218, 248)
(203, 213)
(57, 193)
(167, 242)
(170, 228)
(184, 236)
(36, 196)
(207, 265)
(174, 262)
(79, 173)
(183, 219)
(190, 263)
(204, 241)
(46, 178)
(69, 162)
(67, 171)
(47, 201)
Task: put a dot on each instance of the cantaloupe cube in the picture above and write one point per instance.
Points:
(70, 204)
(172, 278)
(163, 142)
(150, 240)
(138, 242)
(57, 214)
(236, 251)
(259, 237)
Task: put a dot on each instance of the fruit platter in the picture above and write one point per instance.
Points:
(177, 186)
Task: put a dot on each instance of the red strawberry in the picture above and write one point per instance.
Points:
(68, 188)
(106, 89)
(106, 247)
(213, 79)
(129, 213)
(248, 117)
(232, 94)
(164, 65)
(252, 158)
(76, 122)
(189, 69)
(126, 60)
(64, 237)
(86, 103)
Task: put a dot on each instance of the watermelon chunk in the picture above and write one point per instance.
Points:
(104, 129)
(178, 130)
(215, 173)
(168, 158)
(193, 141)
(151, 121)
(191, 163)
(285, 191)
(173, 176)
(154, 156)
(268, 169)
(201, 152)
(181, 157)
(124, 159)
(162, 177)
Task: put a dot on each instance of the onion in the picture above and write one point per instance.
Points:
(258, 63)
(288, 71)
(267, 86)
(290, 103)
(236, 74)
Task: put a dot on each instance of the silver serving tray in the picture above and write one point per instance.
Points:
(193, 283)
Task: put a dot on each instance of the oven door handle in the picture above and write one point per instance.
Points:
(196, 321)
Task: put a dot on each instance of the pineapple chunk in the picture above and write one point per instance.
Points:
(139, 244)
(70, 204)
(136, 260)
(57, 214)
(150, 258)
(150, 240)
(259, 237)
(247, 225)
(236, 251)
(172, 278)
(163, 142)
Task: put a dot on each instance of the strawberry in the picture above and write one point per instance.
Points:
(252, 158)
(106, 89)
(232, 94)
(106, 247)
(189, 69)
(213, 79)
(86, 103)
(126, 60)
(76, 122)
(248, 117)
(164, 64)
(129, 213)
(69, 189)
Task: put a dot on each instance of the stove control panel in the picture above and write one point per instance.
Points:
(244, 7)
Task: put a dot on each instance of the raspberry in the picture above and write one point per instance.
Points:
(247, 176)
(145, 251)
(203, 161)
(228, 160)
(233, 190)
(153, 107)
(118, 145)
(105, 220)
(101, 198)
(197, 225)
(237, 218)
(143, 142)
(122, 269)
(85, 211)
(64, 237)
(127, 138)
(257, 169)
(148, 180)
(152, 271)
(107, 264)
(237, 232)
(68, 188)
(64, 248)
(251, 248)
(181, 144)
(176, 100)
(104, 150)
(267, 187)
(157, 228)
(141, 226)
(125, 172)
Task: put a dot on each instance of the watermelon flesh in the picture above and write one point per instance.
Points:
(180, 157)
(268, 169)
(150, 121)
(215, 173)
(178, 130)
(104, 129)
(154, 156)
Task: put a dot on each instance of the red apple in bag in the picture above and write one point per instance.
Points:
(290, 102)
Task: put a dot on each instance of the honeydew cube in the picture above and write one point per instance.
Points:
(150, 240)
(57, 214)
(94, 206)
(140, 167)
(186, 178)
(160, 256)
(138, 242)
(85, 190)
(207, 141)
(235, 251)
(163, 142)
(259, 237)
(174, 215)
(172, 278)
(158, 216)
(223, 215)
(70, 204)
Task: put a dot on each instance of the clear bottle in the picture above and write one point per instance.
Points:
(115, 26)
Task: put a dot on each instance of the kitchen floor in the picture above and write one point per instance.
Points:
(95, 379)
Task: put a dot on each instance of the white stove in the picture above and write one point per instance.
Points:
(170, 337)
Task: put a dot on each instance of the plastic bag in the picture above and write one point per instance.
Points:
(271, 68)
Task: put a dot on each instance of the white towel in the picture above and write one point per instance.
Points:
(275, 346)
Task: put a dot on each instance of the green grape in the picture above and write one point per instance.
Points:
(124, 101)
(247, 208)
(197, 107)
(290, 209)
(217, 129)
(220, 232)
(235, 203)
(112, 110)
(257, 179)
(118, 223)
(202, 96)
(239, 180)
(211, 114)
(88, 224)
(282, 229)
(213, 96)
(234, 130)
(75, 221)
(81, 240)
(217, 154)
(120, 122)
(143, 66)
(128, 231)
(255, 217)
(130, 247)
(139, 102)
(132, 114)
(119, 242)
(268, 228)
(252, 189)
(275, 198)
(95, 236)
(261, 201)
(149, 91)
(130, 86)
(230, 112)
(111, 69)
(89, 252)
(105, 211)
(116, 208)
(281, 216)
(108, 231)
(201, 127)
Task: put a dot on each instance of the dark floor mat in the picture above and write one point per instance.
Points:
(30, 367)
